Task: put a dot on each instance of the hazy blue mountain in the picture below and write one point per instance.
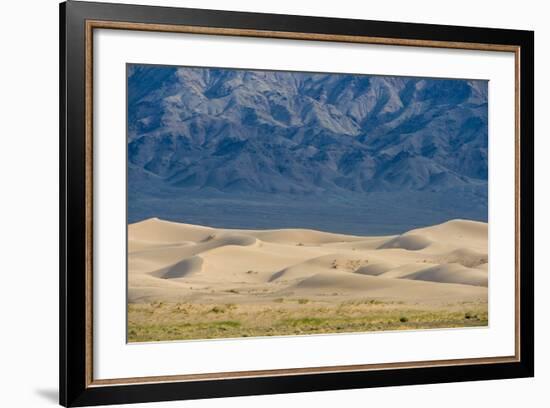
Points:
(226, 133)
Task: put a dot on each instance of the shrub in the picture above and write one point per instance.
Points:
(217, 309)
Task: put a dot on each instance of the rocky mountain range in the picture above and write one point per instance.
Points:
(250, 131)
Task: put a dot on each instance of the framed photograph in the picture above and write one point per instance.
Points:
(256, 203)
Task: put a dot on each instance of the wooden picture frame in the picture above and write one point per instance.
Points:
(78, 20)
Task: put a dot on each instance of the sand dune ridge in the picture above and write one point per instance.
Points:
(171, 261)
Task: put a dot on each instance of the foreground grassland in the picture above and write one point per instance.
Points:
(185, 321)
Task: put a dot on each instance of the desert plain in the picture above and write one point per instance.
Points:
(195, 282)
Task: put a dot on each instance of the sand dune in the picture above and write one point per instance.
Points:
(387, 288)
(376, 269)
(156, 230)
(309, 237)
(450, 273)
(410, 242)
(170, 261)
(181, 269)
(465, 257)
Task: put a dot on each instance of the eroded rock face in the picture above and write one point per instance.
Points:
(238, 130)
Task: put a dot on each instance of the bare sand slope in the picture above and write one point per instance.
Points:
(176, 262)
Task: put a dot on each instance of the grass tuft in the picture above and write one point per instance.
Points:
(217, 309)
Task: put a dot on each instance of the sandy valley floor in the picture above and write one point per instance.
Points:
(190, 282)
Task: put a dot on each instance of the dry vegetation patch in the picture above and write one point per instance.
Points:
(185, 321)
